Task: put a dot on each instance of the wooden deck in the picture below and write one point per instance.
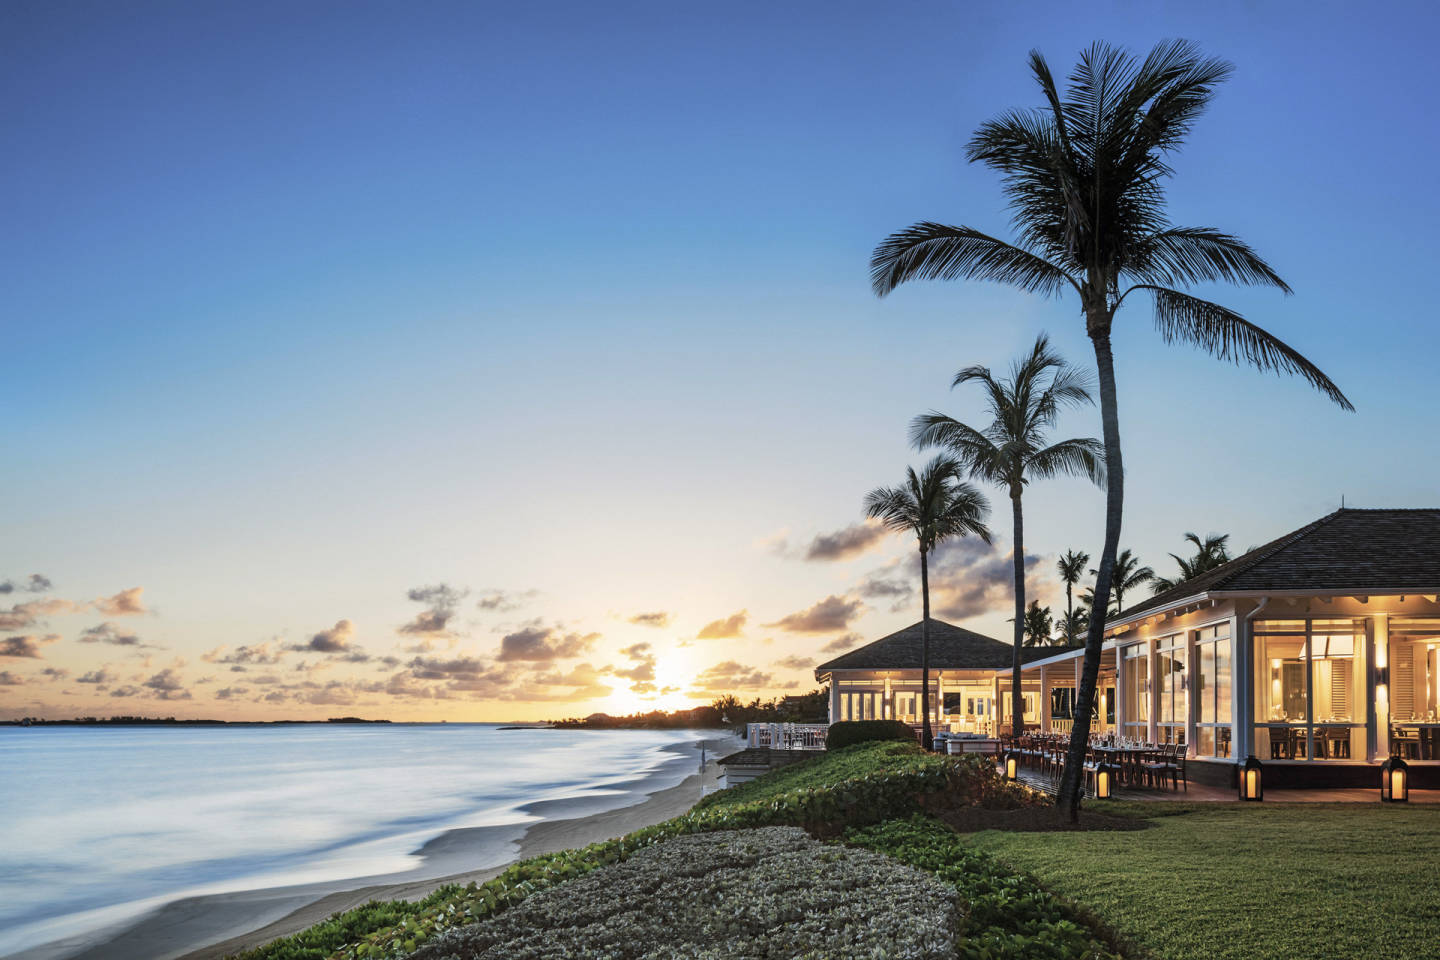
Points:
(1202, 793)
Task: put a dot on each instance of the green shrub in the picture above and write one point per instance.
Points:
(859, 785)
(1011, 917)
(849, 732)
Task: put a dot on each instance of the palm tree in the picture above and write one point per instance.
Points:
(1012, 450)
(1210, 552)
(1038, 625)
(934, 505)
(1084, 175)
(1075, 622)
(1129, 574)
(1071, 566)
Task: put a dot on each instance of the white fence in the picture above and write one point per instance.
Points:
(786, 736)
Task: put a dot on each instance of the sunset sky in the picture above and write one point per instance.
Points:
(473, 361)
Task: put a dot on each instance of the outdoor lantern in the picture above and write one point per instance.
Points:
(1104, 781)
(1012, 766)
(1250, 786)
(1394, 781)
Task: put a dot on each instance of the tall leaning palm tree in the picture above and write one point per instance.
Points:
(1013, 449)
(1130, 574)
(1071, 567)
(935, 505)
(1084, 175)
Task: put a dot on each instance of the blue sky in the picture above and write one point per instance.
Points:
(310, 305)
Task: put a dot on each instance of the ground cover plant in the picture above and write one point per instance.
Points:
(1006, 916)
(859, 785)
(1252, 881)
(731, 895)
(847, 733)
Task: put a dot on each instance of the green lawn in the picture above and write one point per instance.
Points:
(1251, 881)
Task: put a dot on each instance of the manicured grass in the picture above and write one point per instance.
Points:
(1251, 881)
(827, 769)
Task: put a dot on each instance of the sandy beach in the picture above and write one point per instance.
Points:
(216, 926)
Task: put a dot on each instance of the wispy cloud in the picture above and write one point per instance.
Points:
(441, 602)
(537, 643)
(724, 628)
(21, 616)
(114, 635)
(35, 583)
(832, 613)
(26, 646)
(730, 676)
(337, 639)
(841, 643)
(502, 601)
(795, 663)
(256, 655)
(657, 618)
(8, 679)
(126, 603)
(847, 542)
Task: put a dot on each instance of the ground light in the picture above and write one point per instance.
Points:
(1250, 786)
(1394, 781)
(1012, 766)
(1104, 781)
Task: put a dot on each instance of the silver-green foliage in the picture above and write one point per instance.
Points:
(732, 895)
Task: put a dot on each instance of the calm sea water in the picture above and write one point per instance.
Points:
(100, 823)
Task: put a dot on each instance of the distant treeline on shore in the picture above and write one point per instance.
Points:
(165, 721)
(726, 711)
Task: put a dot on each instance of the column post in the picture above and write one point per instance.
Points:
(834, 699)
(1044, 699)
(1377, 716)
(1152, 728)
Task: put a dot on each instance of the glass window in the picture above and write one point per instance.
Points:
(1309, 689)
(1212, 692)
(1137, 688)
(1173, 688)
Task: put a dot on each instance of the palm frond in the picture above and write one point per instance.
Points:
(1191, 255)
(934, 251)
(1084, 457)
(1228, 336)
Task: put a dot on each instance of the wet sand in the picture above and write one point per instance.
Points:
(216, 926)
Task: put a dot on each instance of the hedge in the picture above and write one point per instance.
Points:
(850, 732)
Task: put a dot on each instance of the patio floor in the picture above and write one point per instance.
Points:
(1203, 793)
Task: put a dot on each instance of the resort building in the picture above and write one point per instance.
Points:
(1315, 653)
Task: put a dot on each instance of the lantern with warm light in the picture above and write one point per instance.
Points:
(1012, 766)
(1104, 781)
(1394, 781)
(1250, 786)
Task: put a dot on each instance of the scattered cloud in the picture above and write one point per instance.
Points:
(795, 663)
(777, 543)
(832, 613)
(335, 640)
(103, 675)
(167, 685)
(724, 629)
(889, 583)
(126, 603)
(35, 583)
(26, 646)
(503, 601)
(8, 679)
(730, 676)
(969, 578)
(842, 643)
(441, 602)
(544, 643)
(642, 674)
(847, 542)
(231, 693)
(258, 654)
(658, 618)
(126, 691)
(112, 634)
(22, 616)
(55, 673)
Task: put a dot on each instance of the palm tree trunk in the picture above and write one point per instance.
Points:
(1069, 615)
(1017, 702)
(926, 733)
(1069, 800)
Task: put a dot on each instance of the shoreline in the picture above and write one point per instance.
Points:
(213, 926)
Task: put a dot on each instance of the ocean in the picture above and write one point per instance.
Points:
(100, 824)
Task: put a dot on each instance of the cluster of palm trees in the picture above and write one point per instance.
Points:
(1084, 174)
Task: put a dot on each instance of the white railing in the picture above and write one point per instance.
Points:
(786, 736)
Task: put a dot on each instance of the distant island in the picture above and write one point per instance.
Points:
(166, 722)
(724, 712)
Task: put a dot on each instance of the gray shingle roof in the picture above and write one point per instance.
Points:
(1347, 550)
(951, 648)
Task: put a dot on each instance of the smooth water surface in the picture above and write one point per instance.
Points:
(95, 820)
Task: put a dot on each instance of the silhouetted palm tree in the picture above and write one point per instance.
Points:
(1084, 175)
(934, 505)
(1038, 625)
(1012, 450)
(1129, 574)
(1210, 552)
(1071, 567)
